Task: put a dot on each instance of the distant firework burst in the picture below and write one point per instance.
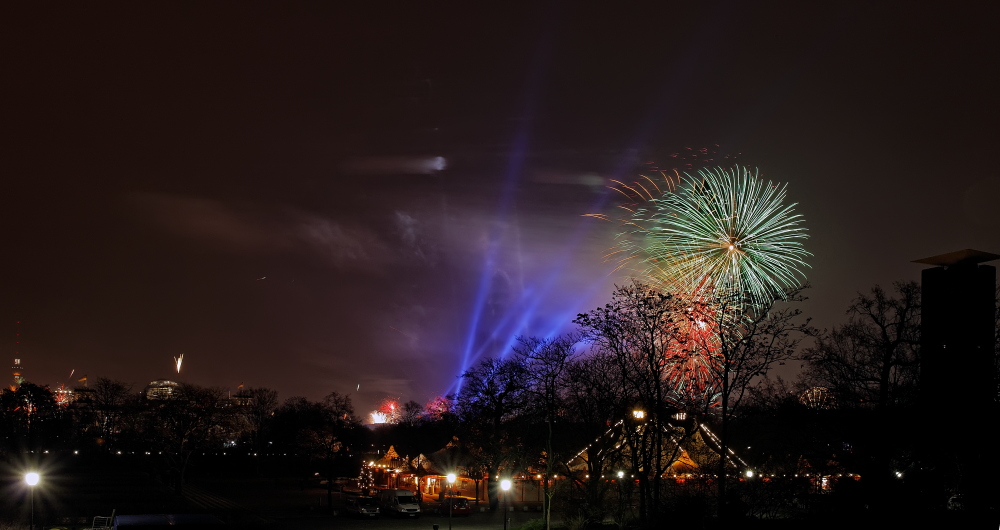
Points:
(723, 239)
(723, 232)
(693, 357)
(388, 411)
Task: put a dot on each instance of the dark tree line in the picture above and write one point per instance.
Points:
(608, 410)
(110, 417)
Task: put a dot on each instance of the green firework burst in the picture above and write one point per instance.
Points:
(724, 231)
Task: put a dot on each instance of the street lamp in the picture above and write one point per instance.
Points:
(505, 486)
(451, 494)
(32, 480)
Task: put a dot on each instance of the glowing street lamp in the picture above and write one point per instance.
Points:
(32, 480)
(505, 486)
(451, 495)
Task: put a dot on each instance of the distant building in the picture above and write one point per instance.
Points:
(242, 397)
(83, 396)
(160, 389)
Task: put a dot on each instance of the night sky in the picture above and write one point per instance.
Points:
(312, 197)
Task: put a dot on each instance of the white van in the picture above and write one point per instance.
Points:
(399, 502)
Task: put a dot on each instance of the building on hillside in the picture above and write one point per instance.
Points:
(160, 389)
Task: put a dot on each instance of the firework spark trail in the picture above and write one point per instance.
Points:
(724, 231)
(721, 235)
(388, 411)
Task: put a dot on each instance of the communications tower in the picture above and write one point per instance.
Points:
(17, 369)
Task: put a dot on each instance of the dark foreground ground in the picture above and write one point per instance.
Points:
(73, 491)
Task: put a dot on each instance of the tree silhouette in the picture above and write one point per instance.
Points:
(490, 408)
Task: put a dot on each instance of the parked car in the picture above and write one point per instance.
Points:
(459, 506)
(399, 502)
(361, 506)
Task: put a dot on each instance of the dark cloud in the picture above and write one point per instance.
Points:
(240, 228)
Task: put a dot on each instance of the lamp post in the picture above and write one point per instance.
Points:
(621, 494)
(505, 486)
(32, 480)
(451, 493)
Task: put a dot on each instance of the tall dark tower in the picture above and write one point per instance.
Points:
(958, 387)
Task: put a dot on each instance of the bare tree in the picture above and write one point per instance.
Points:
(873, 359)
(872, 363)
(322, 430)
(109, 404)
(595, 400)
(750, 340)
(105, 411)
(332, 435)
(193, 418)
(412, 412)
(638, 330)
(29, 416)
(256, 411)
(490, 406)
(547, 361)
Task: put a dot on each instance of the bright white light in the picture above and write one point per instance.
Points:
(438, 163)
(31, 478)
(749, 473)
(505, 485)
(451, 478)
(621, 474)
(395, 165)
